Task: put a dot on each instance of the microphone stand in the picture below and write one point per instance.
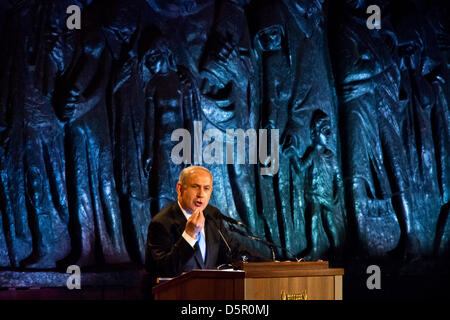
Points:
(230, 252)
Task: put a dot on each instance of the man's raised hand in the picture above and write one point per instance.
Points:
(195, 223)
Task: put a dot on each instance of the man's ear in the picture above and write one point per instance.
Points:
(179, 186)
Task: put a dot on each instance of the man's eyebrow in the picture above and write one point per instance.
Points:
(197, 185)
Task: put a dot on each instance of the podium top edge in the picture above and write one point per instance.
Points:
(278, 265)
(200, 273)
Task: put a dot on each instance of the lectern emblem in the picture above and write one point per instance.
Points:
(294, 296)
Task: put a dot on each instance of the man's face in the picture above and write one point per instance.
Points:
(196, 191)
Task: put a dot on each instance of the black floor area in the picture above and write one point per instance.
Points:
(424, 279)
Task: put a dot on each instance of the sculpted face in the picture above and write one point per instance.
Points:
(160, 59)
(195, 191)
(324, 134)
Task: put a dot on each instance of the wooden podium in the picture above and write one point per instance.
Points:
(256, 281)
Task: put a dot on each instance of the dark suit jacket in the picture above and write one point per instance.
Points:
(168, 254)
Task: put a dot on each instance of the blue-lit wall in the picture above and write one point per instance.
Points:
(87, 116)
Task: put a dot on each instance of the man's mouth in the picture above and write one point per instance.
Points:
(198, 203)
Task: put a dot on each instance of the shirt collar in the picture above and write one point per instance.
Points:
(186, 214)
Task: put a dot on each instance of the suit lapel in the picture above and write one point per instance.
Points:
(211, 242)
(180, 219)
(211, 245)
(211, 237)
(198, 256)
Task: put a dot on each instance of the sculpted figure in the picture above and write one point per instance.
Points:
(375, 161)
(95, 222)
(325, 230)
(15, 238)
(229, 102)
(127, 114)
(439, 26)
(171, 102)
(290, 45)
(423, 116)
(42, 51)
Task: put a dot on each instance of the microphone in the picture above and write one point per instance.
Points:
(231, 220)
(267, 243)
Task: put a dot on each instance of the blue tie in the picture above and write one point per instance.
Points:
(202, 245)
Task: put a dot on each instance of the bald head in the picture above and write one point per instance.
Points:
(186, 172)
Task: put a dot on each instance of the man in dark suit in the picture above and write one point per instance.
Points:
(189, 234)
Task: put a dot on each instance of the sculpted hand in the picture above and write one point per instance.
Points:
(289, 143)
(195, 223)
(210, 84)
